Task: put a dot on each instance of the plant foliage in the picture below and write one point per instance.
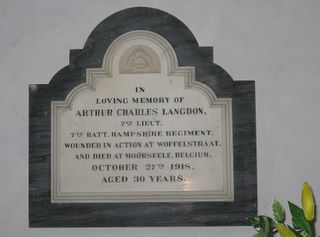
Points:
(302, 224)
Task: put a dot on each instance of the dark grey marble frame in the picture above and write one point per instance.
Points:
(42, 213)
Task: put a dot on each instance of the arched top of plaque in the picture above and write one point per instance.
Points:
(180, 39)
(140, 52)
(143, 52)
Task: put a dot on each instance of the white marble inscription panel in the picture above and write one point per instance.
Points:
(141, 130)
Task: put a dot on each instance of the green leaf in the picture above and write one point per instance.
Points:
(305, 234)
(294, 231)
(256, 222)
(278, 211)
(266, 227)
(260, 234)
(297, 228)
(298, 218)
(263, 224)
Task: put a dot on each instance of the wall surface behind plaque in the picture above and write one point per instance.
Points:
(275, 43)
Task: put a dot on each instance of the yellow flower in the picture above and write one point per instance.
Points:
(307, 202)
(284, 231)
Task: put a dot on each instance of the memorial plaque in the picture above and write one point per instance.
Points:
(142, 126)
(141, 129)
